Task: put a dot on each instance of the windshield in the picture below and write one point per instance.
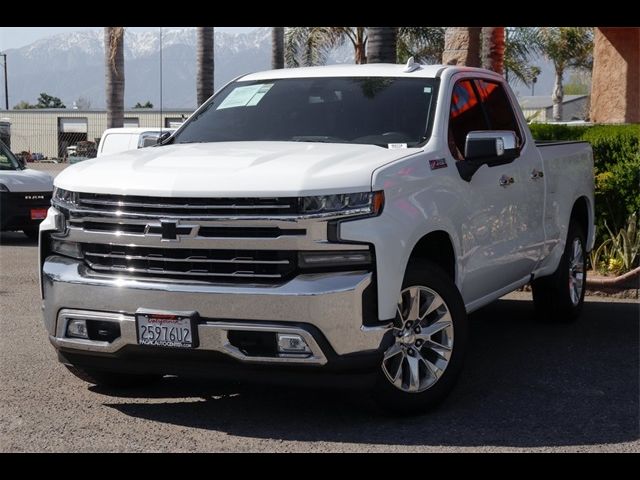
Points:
(8, 161)
(369, 110)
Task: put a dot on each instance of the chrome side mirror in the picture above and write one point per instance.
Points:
(491, 145)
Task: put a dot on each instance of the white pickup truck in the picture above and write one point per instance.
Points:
(324, 224)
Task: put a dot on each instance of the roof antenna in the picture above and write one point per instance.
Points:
(411, 66)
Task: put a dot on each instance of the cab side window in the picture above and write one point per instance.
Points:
(466, 115)
(498, 108)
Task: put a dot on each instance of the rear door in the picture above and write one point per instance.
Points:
(529, 192)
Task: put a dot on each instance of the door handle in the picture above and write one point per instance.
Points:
(536, 174)
(506, 180)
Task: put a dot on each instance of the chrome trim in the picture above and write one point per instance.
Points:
(212, 336)
(186, 205)
(196, 273)
(192, 259)
(332, 302)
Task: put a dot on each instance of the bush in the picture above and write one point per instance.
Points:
(616, 155)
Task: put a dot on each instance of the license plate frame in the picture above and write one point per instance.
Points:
(38, 213)
(167, 320)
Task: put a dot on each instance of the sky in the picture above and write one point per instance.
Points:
(16, 37)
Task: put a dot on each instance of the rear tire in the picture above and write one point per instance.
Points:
(112, 379)
(559, 297)
(422, 365)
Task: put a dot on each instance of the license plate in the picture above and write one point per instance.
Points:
(38, 213)
(167, 329)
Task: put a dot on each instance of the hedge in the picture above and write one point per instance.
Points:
(616, 154)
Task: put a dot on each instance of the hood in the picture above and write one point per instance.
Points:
(26, 180)
(232, 169)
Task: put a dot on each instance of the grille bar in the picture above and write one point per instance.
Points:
(192, 259)
(170, 206)
(169, 273)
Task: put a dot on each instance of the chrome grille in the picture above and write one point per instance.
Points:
(194, 264)
(185, 207)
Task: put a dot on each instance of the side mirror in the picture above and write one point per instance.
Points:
(149, 139)
(492, 147)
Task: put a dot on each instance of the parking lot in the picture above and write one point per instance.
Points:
(526, 386)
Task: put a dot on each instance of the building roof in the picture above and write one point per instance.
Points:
(544, 101)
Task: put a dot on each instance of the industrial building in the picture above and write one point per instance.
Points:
(51, 131)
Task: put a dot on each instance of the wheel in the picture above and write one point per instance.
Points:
(31, 232)
(429, 339)
(559, 297)
(112, 379)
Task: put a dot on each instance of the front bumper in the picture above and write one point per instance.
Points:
(325, 309)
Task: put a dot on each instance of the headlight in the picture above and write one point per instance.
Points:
(3, 188)
(366, 203)
(60, 195)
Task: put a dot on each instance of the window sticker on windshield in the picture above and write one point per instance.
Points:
(394, 146)
(245, 96)
(427, 89)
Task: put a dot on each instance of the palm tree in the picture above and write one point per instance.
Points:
(520, 44)
(566, 47)
(311, 45)
(424, 44)
(493, 45)
(462, 46)
(277, 47)
(382, 45)
(114, 75)
(205, 59)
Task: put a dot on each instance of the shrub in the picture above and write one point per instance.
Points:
(616, 154)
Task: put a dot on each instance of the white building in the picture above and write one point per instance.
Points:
(540, 108)
(51, 131)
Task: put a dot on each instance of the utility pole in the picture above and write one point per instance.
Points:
(6, 85)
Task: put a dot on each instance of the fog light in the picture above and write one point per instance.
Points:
(68, 249)
(291, 343)
(77, 328)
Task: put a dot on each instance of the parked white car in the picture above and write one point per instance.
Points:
(116, 140)
(309, 223)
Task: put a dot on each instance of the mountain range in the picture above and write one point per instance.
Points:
(71, 66)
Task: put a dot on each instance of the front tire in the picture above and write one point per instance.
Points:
(422, 364)
(559, 297)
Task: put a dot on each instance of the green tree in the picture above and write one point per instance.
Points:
(23, 105)
(114, 68)
(307, 46)
(566, 47)
(147, 104)
(48, 101)
(277, 47)
(521, 43)
(424, 44)
(311, 45)
(205, 64)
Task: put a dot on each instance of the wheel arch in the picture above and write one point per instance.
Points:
(438, 247)
(582, 214)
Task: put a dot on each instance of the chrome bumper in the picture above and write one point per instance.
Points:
(331, 302)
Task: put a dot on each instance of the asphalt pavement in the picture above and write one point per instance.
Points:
(526, 386)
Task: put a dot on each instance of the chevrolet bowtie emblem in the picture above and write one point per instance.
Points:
(170, 230)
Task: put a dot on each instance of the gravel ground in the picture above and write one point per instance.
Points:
(526, 387)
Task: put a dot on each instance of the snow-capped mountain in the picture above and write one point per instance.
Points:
(71, 65)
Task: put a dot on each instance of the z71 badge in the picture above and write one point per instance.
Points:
(438, 163)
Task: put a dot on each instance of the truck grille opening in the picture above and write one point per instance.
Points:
(186, 207)
(193, 264)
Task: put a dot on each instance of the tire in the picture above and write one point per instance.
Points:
(31, 233)
(112, 379)
(559, 297)
(436, 373)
